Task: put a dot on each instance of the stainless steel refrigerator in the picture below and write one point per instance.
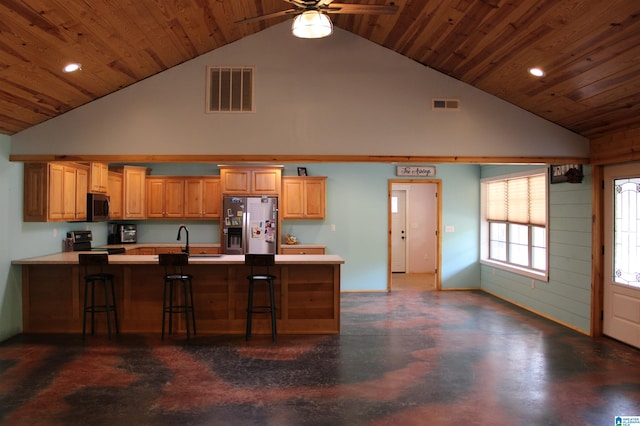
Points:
(250, 225)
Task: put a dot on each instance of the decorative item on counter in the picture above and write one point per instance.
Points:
(67, 244)
(290, 239)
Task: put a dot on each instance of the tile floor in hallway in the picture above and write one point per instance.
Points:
(404, 358)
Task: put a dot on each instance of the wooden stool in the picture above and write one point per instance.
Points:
(90, 282)
(171, 281)
(263, 261)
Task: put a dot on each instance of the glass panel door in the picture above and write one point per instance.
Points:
(622, 253)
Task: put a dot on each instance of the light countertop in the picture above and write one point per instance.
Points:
(71, 258)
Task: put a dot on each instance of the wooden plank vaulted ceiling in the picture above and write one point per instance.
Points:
(589, 49)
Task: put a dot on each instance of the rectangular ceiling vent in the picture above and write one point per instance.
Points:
(452, 104)
(229, 89)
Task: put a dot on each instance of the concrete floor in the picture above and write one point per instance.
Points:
(404, 358)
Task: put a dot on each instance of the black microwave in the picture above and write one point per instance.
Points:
(97, 207)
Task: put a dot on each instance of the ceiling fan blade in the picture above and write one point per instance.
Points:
(268, 16)
(370, 9)
(309, 4)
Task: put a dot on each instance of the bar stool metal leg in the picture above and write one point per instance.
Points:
(272, 299)
(184, 283)
(84, 309)
(192, 305)
(249, 309)
(107, 306)
(164, 304)
(115, 310)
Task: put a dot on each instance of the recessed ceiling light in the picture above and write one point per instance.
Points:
(72, 67)
(536, 72)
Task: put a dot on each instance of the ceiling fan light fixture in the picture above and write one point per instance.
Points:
(312, 24)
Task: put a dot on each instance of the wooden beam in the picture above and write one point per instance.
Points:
(263, 158)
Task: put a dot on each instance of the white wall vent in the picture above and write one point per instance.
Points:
(453, 104)
(229, 89)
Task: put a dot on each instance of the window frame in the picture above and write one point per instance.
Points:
(528, 271)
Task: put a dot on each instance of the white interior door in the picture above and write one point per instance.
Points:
(622, 253)
(398, 231)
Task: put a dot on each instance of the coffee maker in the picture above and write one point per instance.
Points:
(113, 237)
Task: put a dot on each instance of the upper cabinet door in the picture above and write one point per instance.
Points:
(202, 197)
(81, 189)
(134, 184)
(165, 197)
(99, 178)
(251, 180)
(266, 181)
(303, 197)
(115, 195)
(235, 181)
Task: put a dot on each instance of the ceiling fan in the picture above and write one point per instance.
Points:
(311, 16)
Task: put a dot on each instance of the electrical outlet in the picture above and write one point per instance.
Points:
(333, 228)
(533, 284)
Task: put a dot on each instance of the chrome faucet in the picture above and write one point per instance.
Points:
(186, 247)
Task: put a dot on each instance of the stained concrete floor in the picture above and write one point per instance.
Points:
(404, 358)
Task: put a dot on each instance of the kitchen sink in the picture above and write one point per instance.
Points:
(205, 255)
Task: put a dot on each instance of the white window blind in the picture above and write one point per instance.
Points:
(518, 200)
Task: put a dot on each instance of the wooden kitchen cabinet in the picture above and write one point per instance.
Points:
(302, 250)
(55, 192)
(176, 250)
(205, 250)
(114, 190)
(167, 250)
(165, 197)
(133, 191)
(81, 189)
(203, 197)
(303, 197)
(250, 180)
(99, 178)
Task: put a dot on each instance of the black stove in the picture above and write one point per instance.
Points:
(82, 242)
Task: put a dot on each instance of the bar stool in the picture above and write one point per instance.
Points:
(171, 282)
(91, 261)
(262, 261)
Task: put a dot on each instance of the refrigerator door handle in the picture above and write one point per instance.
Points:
(245, 234)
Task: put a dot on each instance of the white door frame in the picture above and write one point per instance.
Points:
(438, 184)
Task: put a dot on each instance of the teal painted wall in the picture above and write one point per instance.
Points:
(10, 219)
(357, 197)
(567, 295)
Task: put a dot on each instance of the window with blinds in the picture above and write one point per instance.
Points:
(519, 200)
(515, 219)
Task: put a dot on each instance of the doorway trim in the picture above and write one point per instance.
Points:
(438, 184)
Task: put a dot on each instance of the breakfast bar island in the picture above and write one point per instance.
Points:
(307, 294)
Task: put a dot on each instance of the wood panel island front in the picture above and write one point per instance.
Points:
(307, 294)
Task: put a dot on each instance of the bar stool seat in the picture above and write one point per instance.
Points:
(91, 280)
(263, 261)
(172, 281)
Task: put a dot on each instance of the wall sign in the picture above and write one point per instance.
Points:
(571, 173)
(421, 171)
